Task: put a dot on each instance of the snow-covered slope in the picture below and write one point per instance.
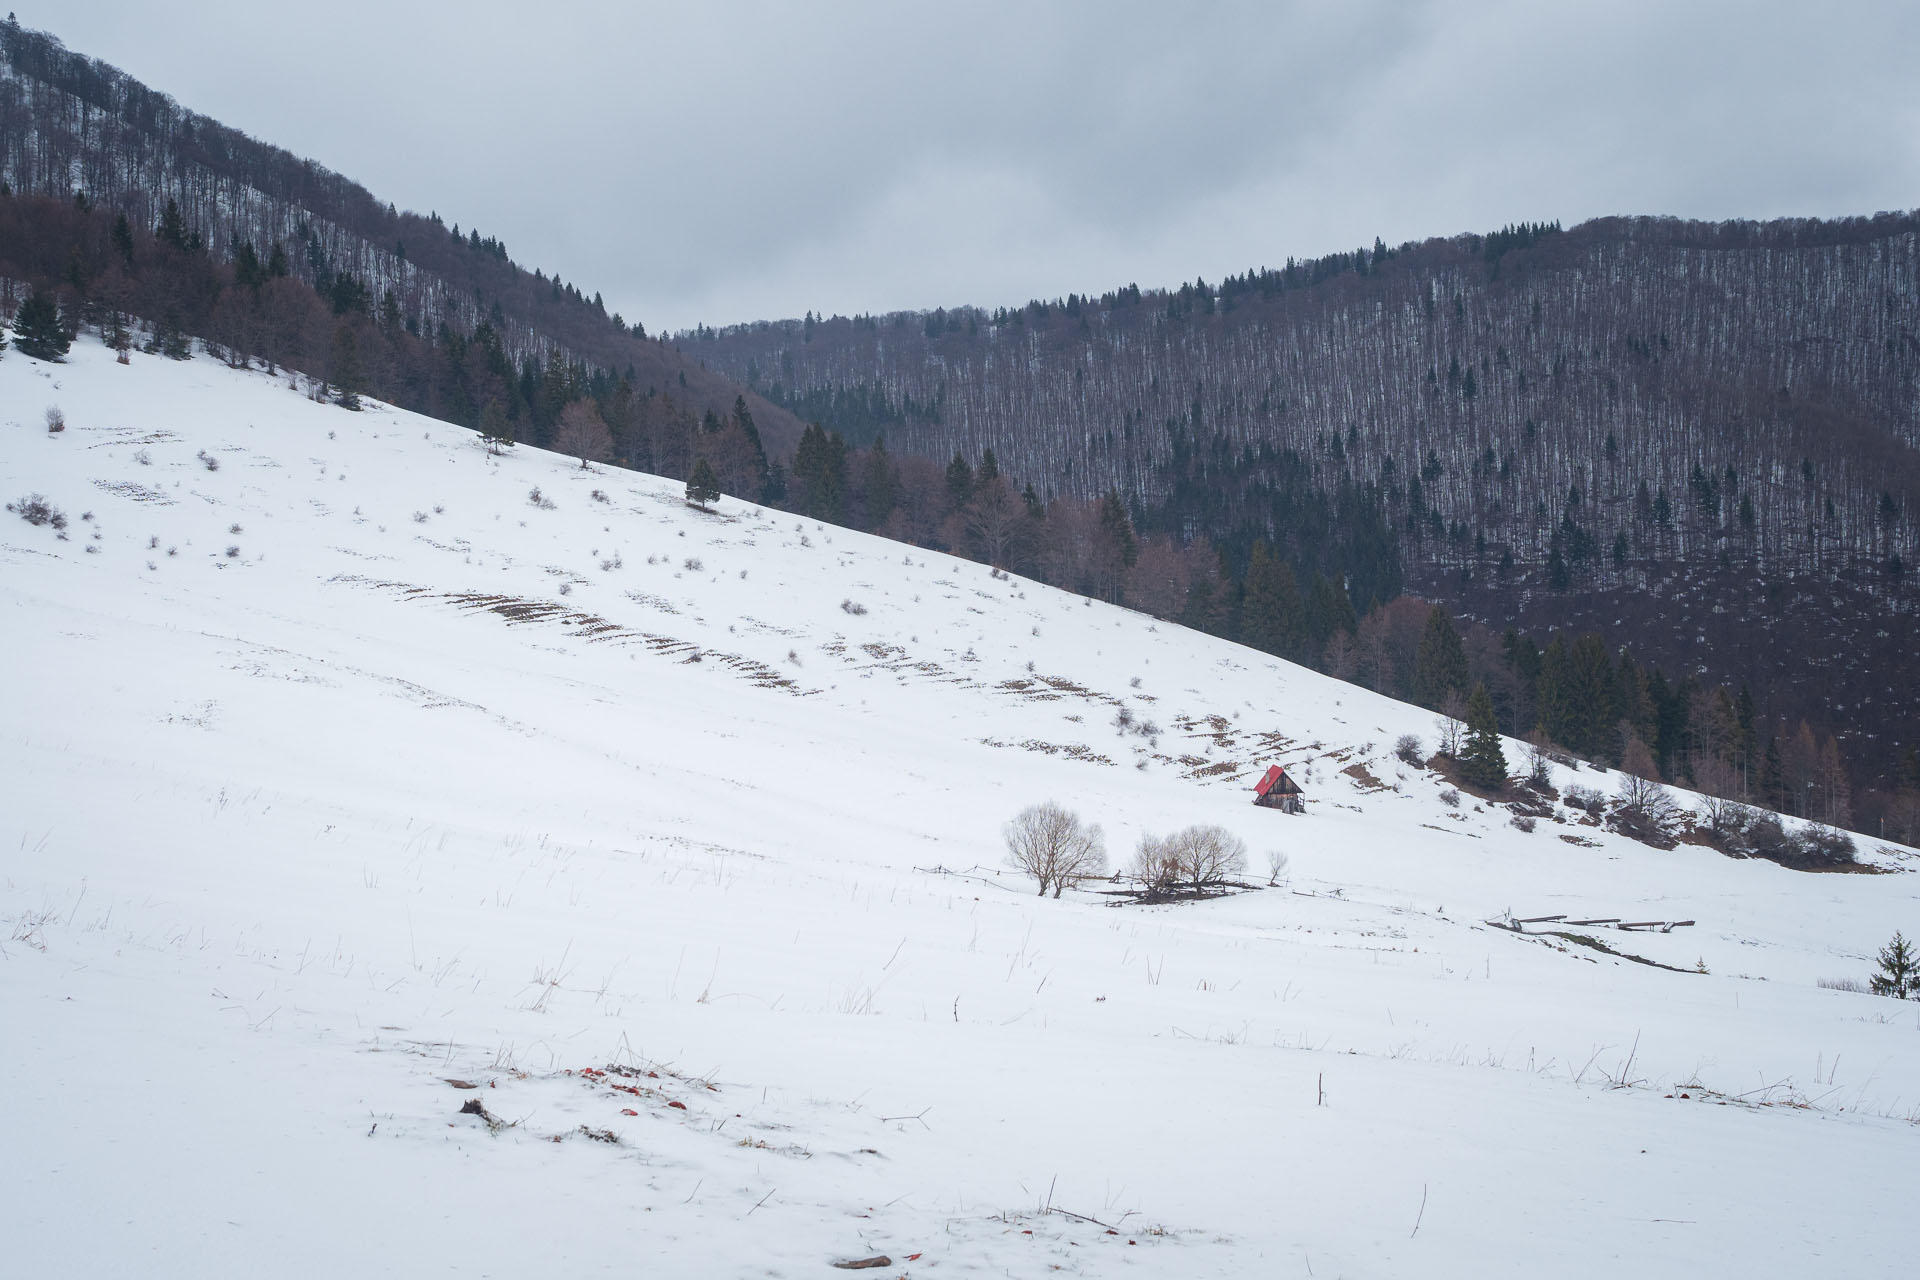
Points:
(336, 770)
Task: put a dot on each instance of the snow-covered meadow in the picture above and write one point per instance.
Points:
(338, 775)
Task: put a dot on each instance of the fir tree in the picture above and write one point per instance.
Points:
(37, 330)
(1899, 974)
(496, 431)
(704, 486)
(1270, 613)
(1440, 668)
(1483, 762)
(173, 228)
(959, 482)
(123, 240)
(346, 369)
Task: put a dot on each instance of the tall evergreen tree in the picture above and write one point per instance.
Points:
(1270, 612)
(173, 228)
(959, 482)
(37, 330)
(347, 377)
(880, 483)
(1440, 665)
(1483, 762)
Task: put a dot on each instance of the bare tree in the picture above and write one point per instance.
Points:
(1050, 844)
(1277, 862)
(1154, 868)
(1448, 726)
(1205, 857)
(1643, 808)
(583, 434)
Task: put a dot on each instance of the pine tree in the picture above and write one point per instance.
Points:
(1440, 667)
(123, 240)
(959, 482)
(37, 330)
(496, 431)
(1899, 974)
(704, 486)
(1270, 613)
(1483, 762)
(173, 228)
(346, 369)
(881, 487)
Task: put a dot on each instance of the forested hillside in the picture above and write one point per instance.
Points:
(443, 319)
(1697, 424)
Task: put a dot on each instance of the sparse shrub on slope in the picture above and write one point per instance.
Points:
(36, 510)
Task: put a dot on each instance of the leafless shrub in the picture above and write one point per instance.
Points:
(1841, 984)
(1524, 822)
(56, 420)
(1048, 843)
(692, 564)
(234, 529)
(36, 510)
(853, 607)
(1643, 808)
(540, 500)
(1410, 749)
(1586, 799)
(142, 457)
(1450, 798)
(233, 553)
(208, 461)
(419, 517)
(600, 495)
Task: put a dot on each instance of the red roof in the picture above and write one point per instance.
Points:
(1274, 774)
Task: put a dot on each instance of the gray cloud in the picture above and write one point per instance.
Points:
(729, 162)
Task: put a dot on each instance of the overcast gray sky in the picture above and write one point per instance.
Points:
(709, 162)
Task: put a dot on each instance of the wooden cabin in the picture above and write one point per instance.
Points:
(1277, 791)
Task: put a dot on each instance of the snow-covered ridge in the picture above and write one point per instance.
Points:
(337, 768)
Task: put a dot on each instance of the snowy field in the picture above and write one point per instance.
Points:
(343, 787)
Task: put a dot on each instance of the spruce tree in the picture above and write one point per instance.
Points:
(496, 431)
(1483, 762)
(346, 369)
(1270, 612)
(703, 487)
(1440, 667)
(1899, 974)
(37, 330)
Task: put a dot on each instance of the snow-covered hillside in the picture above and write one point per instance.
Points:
(339, 776)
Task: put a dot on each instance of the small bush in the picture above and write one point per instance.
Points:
(208, 461)
(235, 529)
(36, 511)
(1450, 798)
(1409, 748)
(1586, 799)
(419, 517)
(233, 553)
(56, 421)
(539, 499)
(1524, 823)
(1841, 984)
(853, 607)
(692, 564)
(599, 495)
